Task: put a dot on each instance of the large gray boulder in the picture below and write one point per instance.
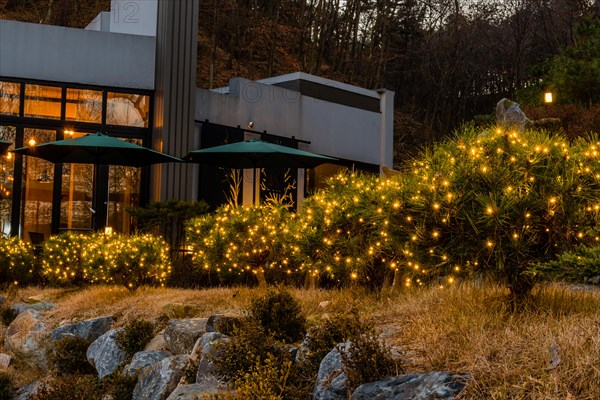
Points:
(206, 350)
(332, 382)
(41, 306)
(224, 322)
(105, 354)
(142, 359)
(430, 386)
(90, 329)
(159, 380)
(509, 114)
(197, 390)
(181, 334)
(157, 342)
(27, 338)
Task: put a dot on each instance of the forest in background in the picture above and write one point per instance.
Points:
(448, 61)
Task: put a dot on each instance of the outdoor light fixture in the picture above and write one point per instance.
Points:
(32, 142)
(548, 97)
(108, 230)
(70, 133)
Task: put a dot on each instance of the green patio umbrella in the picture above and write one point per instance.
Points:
(97, 149)
(257, 154)
(254, 154)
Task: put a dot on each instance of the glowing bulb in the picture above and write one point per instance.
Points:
(32, 142)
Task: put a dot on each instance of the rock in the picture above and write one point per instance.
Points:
(210, 346)
(90, 329)
(509, 114)
(187, 392)
(104, 353)
(205, 339)
(430, 386)
(41, 306)
(332, 382)
(181, 334)
(27, 391)
(4, 360)
(157, 381)
(142, 359)
(27, 337)
(157, 342)
(181, 310)
(38, 299)
(224, 322)
(325, 304)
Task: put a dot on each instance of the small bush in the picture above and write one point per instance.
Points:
(135, 335)
(280, 314)
(82, 387)
(69, 356)
(118, 386)
(268, 379)
(367, 360)
(249, 344)
(6, 386)
(578, 266)
(321, 339)
(17, 262)
(8, 315)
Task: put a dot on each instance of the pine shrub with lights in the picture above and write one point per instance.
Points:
(136, 260)
(498, 202)
(17, 262)
(344, 233)
(82, 259)
(241, 244)
(72, 258)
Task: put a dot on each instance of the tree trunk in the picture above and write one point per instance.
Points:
(311, 280)
(260, 277)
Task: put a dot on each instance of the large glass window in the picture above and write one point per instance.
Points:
(124, 189)
(84, 105)
(8, 134)
(9, 98)
(76, 194)
(43, 101)
(37, 186)
(127, 109)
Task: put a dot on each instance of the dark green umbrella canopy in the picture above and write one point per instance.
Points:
(257, 154)
(98, 149)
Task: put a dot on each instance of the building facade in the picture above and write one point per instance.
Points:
(131, 74)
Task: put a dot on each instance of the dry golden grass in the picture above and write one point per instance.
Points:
(461, 329)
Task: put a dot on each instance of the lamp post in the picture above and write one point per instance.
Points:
(548, 97)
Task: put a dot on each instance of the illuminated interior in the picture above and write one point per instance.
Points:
(73, 197)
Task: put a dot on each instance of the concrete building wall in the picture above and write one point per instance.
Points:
(35, 51)
(135, 17)
(101, 23)
(333, 129)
